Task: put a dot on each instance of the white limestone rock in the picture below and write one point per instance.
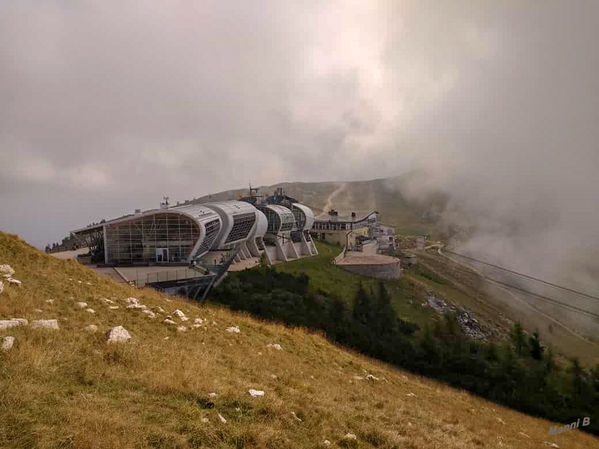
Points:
(7, 343)
(350, 436)
(45, 324)
(91, 328)
(149, 313)
(137, 306)
(7, 324)
(212, 395)
(49, 301)
(274, 346)
(233, 329)
(198, 321)
(169, 320)
(81, 305)
(118, 334)
(113, 307)
(222, 418)
(326, 442)
(14, 281)
(6, 270)
(179, 314)
(181, 329)
(255, 393)
(1, 286)
(410, 395)
(131, 300)
(92, 311)
(107, 301)
(371, 377)
(297, 418)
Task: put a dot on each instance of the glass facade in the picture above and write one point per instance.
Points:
(162, 238)
(242, 225)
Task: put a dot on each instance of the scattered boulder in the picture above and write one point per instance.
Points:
(82, 305)
(45, 324)
(179, 314)
(149, 313)
(274, 346)
(14, 281)
(91, 328)
(326, 442)
(107, 301)
(198, 321)
(137, 306)
(222, 418)
(411, 395)
(90, 311)
(113, 307)
(297, 418)
(233, 329)
(49, 301)
(7, 343)
(350, 436)
(205, 420)
(1, 286)
(6, 270)
(118, 334)
(181, 329)
(255, 393)
(371, 377)
(13, 322)
(169, 320)
(212, 395)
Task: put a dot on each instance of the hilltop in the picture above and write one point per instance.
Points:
(392, 197)
(168, 388)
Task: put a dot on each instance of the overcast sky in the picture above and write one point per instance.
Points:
(108, 105)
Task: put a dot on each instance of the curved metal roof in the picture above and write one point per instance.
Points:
(307, 213)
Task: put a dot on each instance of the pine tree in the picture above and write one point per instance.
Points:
(518, 339)
(385, 314)
(362, 311)
(536, 349)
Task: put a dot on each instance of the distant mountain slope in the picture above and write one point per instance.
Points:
(165, 388)
(389, 196)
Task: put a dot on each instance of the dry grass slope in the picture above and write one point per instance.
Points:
(69, 388)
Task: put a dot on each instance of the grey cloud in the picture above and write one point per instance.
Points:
(106, 106)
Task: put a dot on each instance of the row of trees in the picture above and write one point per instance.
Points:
(520, 373)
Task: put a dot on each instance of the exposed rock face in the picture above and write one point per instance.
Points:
(7, 343)
(45, 324)
(118, 334)
(469, 325)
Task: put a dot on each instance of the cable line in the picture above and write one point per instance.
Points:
(571, 290)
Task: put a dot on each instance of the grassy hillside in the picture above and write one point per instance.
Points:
(408, 293)
(70, 389)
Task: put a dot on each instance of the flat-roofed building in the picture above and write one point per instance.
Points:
(343, 230)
